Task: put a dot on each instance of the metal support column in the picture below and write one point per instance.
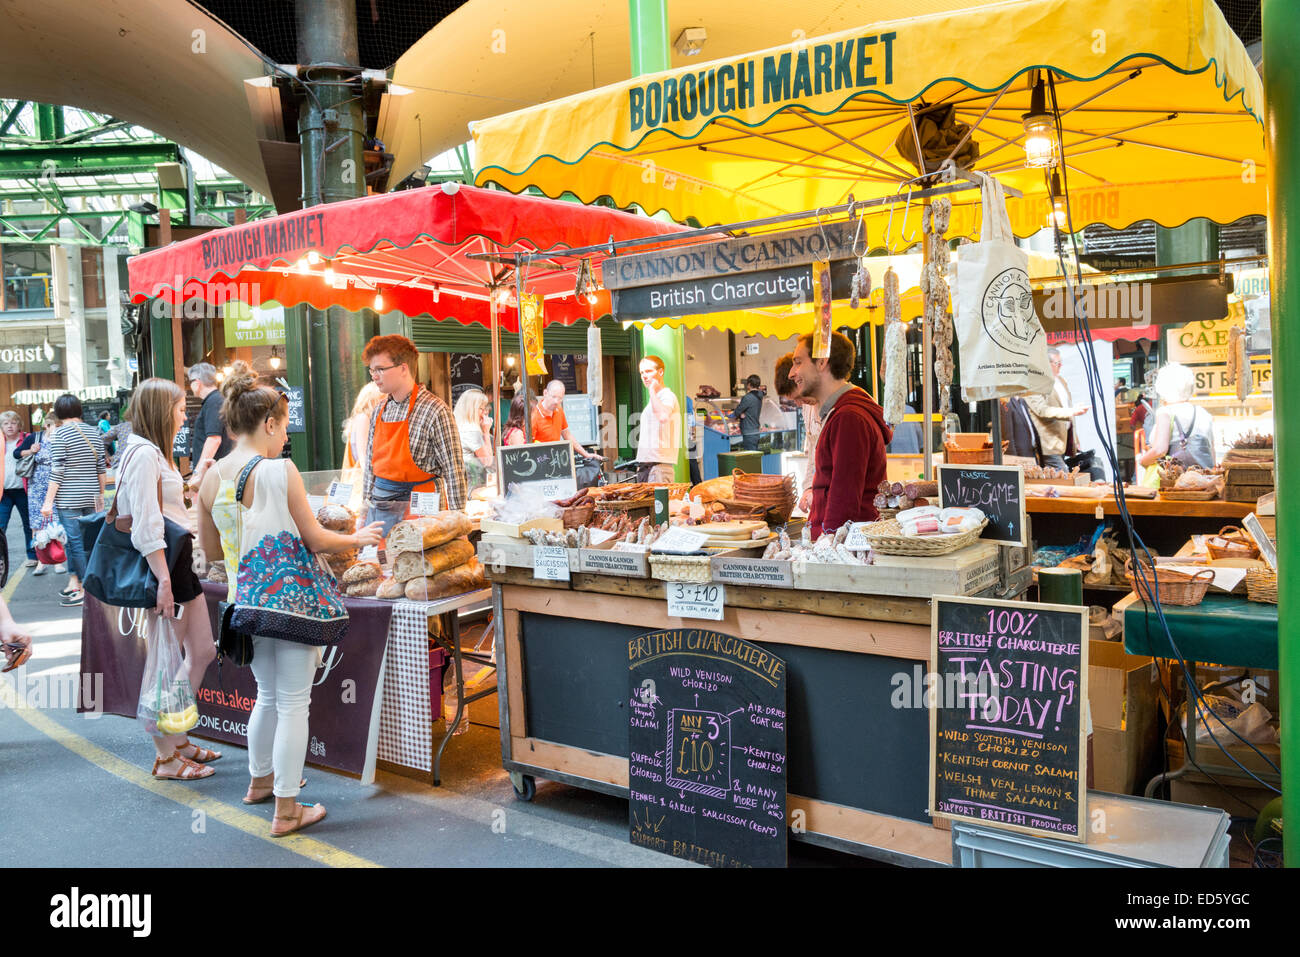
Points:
(331, 128)
(1281, 33)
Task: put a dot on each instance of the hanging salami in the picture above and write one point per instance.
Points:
(895, 351)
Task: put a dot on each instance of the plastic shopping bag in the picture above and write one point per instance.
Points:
(1002, 344)
(167, 703)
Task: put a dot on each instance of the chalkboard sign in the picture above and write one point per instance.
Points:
(297, 419)
(545, 467)
(181, 444)
(466, 373)
(564, 368)
(996, 490)
(706, 740)
(1008, 746)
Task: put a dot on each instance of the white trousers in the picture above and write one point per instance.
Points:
(277, 728)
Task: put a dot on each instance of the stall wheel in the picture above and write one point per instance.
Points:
(524, 784)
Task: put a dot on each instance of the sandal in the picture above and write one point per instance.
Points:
(255, 793)
(201, 755)
(280, 826)
(190, 770)
(20, 659)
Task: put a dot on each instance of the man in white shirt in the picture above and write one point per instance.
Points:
(661, 426)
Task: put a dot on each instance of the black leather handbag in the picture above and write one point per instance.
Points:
(116, 573)
(232, 643)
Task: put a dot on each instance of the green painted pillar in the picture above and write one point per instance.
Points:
(1281, 32)
(160, 337)
(648, 29)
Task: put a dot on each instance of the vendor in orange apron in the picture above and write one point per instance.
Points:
(396, 475)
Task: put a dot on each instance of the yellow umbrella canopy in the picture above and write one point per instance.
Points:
(1159, 106)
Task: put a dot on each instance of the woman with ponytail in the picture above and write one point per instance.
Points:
(248, 499)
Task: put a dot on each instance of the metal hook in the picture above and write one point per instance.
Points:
(907, 211)
(825, 239)
(860, 231)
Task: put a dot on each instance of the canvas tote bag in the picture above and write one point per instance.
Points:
(1002, 344)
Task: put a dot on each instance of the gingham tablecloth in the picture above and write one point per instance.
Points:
(406, 718)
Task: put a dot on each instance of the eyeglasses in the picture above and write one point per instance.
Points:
(377, 371)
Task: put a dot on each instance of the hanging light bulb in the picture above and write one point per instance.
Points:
(329, 275)
(591, 298)
(510, 361)
(227, 369)
(1040, 128)
(275, 358)
(379, 301)
(1057, 217)
(302, 267)
(436, 292)
(313, 257)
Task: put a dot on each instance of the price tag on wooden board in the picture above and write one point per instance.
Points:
(996, 490)
(1007, 696)
(707, 748)
(690, 600)
(425, 503)
(680, 541)
(551, 563)
(340, 493)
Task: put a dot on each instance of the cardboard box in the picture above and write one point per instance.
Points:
(1243, 797)
(1124, 697)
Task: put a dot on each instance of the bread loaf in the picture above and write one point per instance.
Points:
(425, 564)
(455, 581)
(337, 518)
(390, 588)
(364, 589)
(217, 572)
(420, 534)
(360, 572)
(339, 562)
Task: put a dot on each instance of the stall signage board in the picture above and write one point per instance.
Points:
(790, 286)
(1008, 745)
(796, 247)
(297, 418)
(543, 467)
(753, 571)
(551, 563)
(695, 600)
(707, 748)
(181, 444)
(996, 490)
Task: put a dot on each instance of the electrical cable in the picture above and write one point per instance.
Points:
(1083, 334)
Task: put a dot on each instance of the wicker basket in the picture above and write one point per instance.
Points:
(578, 516)
(1261, 585)
(888, 539)
(1190, 495)
(696, 569)
(1172, 587)
(1235, 544)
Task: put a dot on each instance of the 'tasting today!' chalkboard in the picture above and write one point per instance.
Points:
(1008, 682)
(706, 743)
(996, 490)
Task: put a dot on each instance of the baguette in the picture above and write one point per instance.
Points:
(409, 565)
(454, 581)
(390, 588)
(420, 534)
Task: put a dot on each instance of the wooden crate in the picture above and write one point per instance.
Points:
(964, 572)
(490, 526)
(502, 550)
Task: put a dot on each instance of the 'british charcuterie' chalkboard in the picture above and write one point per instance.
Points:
(545, 467)
(1006, 693)
(996, 490)
(706, 741)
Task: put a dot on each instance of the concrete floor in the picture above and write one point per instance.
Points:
(77, 791)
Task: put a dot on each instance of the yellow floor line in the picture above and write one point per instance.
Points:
(13, 582)
(259, 827)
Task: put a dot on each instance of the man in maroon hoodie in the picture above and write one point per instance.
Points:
(850, 460)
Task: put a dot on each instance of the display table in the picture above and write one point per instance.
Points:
(1163, 525)
(385, 718)
(1224, 629)
(857, 764)
(1144, 507)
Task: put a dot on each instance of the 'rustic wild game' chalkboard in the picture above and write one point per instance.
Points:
(1006, 693)
(706, 738)
(996, 490)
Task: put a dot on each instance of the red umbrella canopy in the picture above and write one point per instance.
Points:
(408, 251)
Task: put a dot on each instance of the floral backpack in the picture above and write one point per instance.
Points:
(281, 590)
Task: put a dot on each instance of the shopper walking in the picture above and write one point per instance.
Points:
(273, 505)
(157, 413)
(15, 486)
(76, 486)
(45, 531)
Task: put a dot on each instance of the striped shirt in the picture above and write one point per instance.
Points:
(78, 456)
(435, 444)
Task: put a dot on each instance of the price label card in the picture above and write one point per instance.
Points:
(695, 601)
(314, 502)
(369, 554)
(599, 536)
(857, 541)
(340, 493)
(680, 541)
(631, 547)
(551, 563)
(424, 503)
